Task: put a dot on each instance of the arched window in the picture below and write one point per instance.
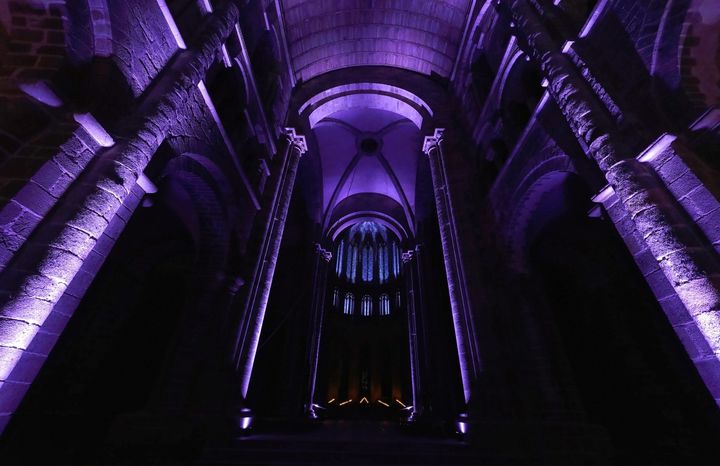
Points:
(339, 258)
(349, 307)
(395, 260)
(398, 300)
(351, 269)
(366, 310)
(384, 305)
(383, 263)
(367, 263)
(336, 298)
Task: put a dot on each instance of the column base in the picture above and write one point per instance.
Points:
(243, 420)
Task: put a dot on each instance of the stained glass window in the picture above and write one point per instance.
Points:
(384, 305)
(366, 305)
(349, 307)
(339, 256)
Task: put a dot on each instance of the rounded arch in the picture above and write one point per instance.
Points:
(349, 220)
(547, 176)
(201, 197)
(366, 95)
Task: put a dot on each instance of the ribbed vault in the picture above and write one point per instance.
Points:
(417, 35)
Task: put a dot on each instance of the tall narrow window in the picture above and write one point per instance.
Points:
(398, 300)
(350, 272)
(395, 260)
(339, 258)
(384, 305)
(367, 263)
(336, 298)
(366, 310)
(349, 307)
(383, 263)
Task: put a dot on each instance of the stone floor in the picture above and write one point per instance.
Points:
(374, 443)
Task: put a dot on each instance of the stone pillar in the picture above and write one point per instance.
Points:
(691, 267)
(258, 290)
(317, 309)
(462, 312)
(64, 240)
(415, 305)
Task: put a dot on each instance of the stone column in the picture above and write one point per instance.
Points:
(66, 237)
(462, 312)
(690, 266)
(317, 309)
(415, 305)
(258, 290)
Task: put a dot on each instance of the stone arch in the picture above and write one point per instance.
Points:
(546, 175)
(209, 191)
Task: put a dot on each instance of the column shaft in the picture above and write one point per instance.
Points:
(322, 259)
(256, 299)
(415, 313)
(690, 266)
(73, 229)
(462, 313)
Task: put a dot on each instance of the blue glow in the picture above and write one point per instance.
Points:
(367, 263)
(349, 307)
(352, 258)
(366, 306)
(395, 260)
(383, 263)
(384, 305)
(339, 258)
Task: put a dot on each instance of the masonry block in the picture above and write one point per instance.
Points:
(709, 370)
(646, 262)
(700, 202)
(9, 358)
(27, 368)
(659, 284)
(35, 198)
(710, 226)
(11, 394)
(671, 170)
(683, 185)
(43, 342)
(675, 310)
(56, 322)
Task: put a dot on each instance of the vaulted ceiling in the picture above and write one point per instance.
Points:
(368, 151)
(418, 35)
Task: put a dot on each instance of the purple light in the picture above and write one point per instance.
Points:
(245, 422)
(461, 424)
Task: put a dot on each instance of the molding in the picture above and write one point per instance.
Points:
(432, 142)
(298, 140)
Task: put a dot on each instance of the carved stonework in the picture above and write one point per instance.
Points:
(297, 140)
(407, 256)
(324, 253)
(433, 141)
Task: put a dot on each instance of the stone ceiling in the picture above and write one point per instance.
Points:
(418, 35)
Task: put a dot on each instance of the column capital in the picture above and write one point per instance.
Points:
(322, 252)
(407, 256)
(433, 141)
(298, 140)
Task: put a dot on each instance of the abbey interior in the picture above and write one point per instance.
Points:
(360, 232)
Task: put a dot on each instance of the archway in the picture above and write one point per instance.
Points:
(364, 365)
(631, 373)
